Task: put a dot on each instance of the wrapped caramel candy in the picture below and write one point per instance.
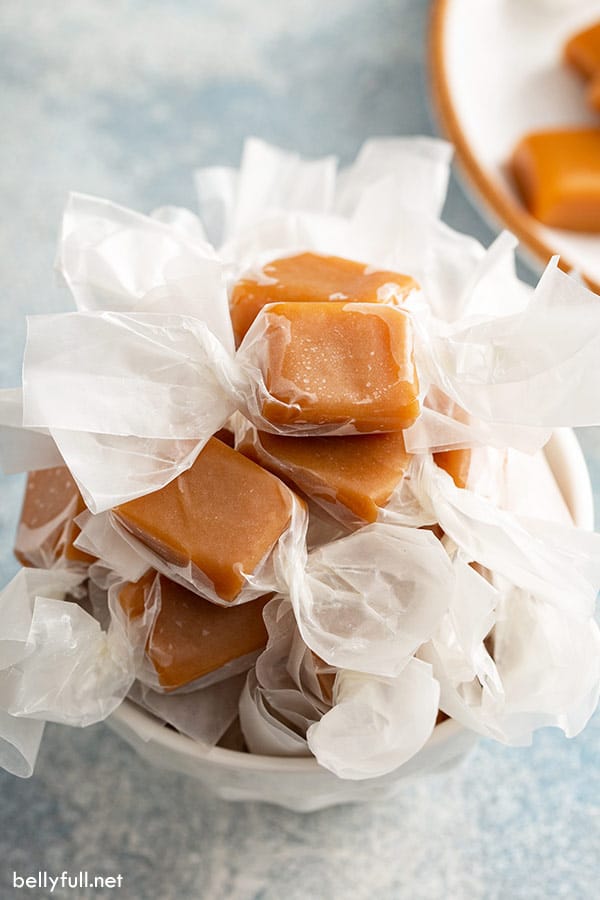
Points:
(336, 365)
(47, 530)
(352, 477)
(311, 277)
(214, 528)
(288, 691)
(192, 638)
(132, 387)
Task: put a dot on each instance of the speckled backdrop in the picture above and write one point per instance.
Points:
(122, 98)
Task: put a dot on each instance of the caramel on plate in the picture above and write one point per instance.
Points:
(311, 277)
(558, 176)
(192, 637)
(593, 92)
(46, 529)
(357, 472)
(222, 517)
(339, 364)
(582, 51)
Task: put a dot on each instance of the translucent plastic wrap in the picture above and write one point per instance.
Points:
(116, 560)
(20, 741)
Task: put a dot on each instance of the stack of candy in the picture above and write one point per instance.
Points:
(296, 484)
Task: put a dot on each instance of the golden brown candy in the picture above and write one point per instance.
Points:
(46, 529)
(339, 364)
(311, 277)
(192, 637)
(593, 92)
(221, 517)
(558, 176)
(582, 51)
(358, 472)
(456, 463)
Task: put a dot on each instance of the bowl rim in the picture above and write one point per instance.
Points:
(567, 462)
(499, 207)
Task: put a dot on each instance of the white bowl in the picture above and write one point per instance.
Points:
(301, 784)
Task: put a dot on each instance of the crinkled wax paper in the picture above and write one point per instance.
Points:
(369, 628)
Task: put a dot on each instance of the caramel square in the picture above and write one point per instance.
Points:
(222, 516)
(310, 278)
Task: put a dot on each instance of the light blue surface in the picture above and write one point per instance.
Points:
(122, 98)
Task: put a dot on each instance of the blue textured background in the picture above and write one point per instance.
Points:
(122, 98)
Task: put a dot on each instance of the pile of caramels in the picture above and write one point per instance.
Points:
(337, 355)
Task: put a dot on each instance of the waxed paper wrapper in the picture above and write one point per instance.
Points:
(559, 559)
(49, 544)
(517, 363)
(269, 576)
(379, 721)
(23, 449)
(149, 685)
(467, 297)
(356, 725)
(544, 670)
(58, 664)
(204, 714)
(284, 694)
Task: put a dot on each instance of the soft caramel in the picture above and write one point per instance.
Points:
(358, 472)
(456, 463)
(310, 277)
(558, 176)
(192, 637)
(583, 51)
(221, 517)
(46, 529)
(339, 363)
(593, 92)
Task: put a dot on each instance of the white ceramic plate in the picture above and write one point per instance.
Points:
(300, 783)
(496, 73)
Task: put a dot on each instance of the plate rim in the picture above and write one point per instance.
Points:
(503, 210)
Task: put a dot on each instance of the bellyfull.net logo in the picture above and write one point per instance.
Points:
(66, 881)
